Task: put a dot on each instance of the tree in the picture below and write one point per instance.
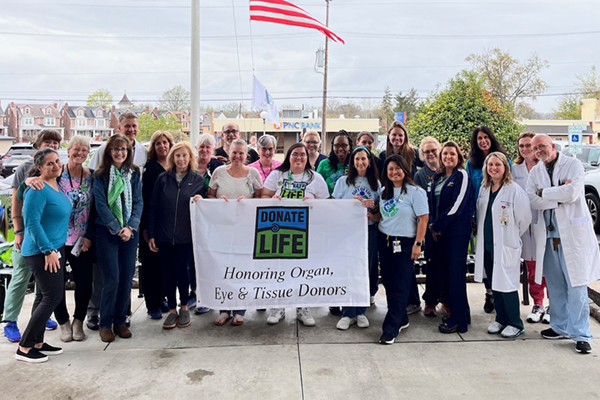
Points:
(407, 103)
(526, 111)
(386, 111)
(453, 113)
(569, 107)
(588, 84)
(507, 78)
(100, 98)
(148, 125)
(176, 99)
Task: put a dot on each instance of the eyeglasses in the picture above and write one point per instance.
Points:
(311, 142)
(540, 147)
(525, 146)
(230, 131)
(298, 155)
(267, 149)
(340, 146)
(120, 150)
(434, 151)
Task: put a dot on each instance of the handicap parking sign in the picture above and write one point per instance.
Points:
(575, 138)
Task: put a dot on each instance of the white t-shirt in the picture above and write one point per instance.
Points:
(360, 188)
(232, 188)
(399, 214)
(298, 187)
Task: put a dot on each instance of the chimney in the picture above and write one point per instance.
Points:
(55, 105)
(12, 103)
(66, 106)
(156, 109)
(147, 108)
(113, 108)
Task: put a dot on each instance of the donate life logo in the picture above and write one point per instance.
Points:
(281, 232)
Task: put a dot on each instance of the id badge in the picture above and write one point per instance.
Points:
(503, 219)
(396, 246)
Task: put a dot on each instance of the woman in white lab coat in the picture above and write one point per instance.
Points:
(503, 215)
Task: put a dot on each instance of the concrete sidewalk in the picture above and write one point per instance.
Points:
(291, 361)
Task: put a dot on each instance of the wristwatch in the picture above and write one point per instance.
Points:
(47, 253)
(418, 244)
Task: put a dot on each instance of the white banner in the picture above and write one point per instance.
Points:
(262, 253)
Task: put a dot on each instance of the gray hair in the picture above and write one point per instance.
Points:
(231, 123)
(79, 140)
(265, 140)
(38, 160)
(127, 115)
(206, 139)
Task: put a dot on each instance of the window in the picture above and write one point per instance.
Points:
(49, 121)
(80, 113)
(81, 123)
(27, 121)
(100, 123)
(48, 111)
(27, 110)
(182, 116)
(99, 113)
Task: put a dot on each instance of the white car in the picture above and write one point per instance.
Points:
(592, 195)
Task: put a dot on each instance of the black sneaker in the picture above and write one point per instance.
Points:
(50, 350)
(34, 356)
(93, 323)
(583, 347)
(335, 310)
(550, 334)
(488, 307)
(386, 338)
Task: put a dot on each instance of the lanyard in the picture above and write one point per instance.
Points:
(70, 181)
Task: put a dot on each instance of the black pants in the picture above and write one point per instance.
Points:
(83, 272)
(50, 293)
(151, 277)
(174, 259)
(397, 274)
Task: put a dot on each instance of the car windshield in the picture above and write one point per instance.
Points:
(583, 156)
(20, 152)
(593, 156)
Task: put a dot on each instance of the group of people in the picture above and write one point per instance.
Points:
(418, 200)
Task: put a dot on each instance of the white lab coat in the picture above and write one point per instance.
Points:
(520, 174)
(140, 156)
(577, 236)
(512, 206)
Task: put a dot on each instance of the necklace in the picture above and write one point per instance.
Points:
(263, 171)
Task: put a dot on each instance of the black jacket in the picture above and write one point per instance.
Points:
(169, 211)
(152, 170)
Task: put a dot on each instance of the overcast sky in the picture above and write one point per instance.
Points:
(62, 50)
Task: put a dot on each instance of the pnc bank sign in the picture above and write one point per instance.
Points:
(301, 125)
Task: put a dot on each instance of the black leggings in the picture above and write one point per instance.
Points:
(82, 267)
(50, 292)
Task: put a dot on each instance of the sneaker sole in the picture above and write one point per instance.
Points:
(170, 326)
(514, 336)
(184, 326)
(531, 321)
(583, 352)
(13, 340)
(414, 311)
(387, 341)
(555, 337)
(31, 360)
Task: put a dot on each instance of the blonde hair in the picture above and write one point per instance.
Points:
(79, 140)
(428, 140)
(506, 179)
(171, 157)
(312, 133)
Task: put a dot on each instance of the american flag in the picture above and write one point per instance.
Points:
(284, 12)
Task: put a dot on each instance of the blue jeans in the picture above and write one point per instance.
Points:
(116, 259)
(373, 261)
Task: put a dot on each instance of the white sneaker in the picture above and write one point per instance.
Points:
(277, 314)
(372, 300)
(362, 321)
(546, 317)
(345, 323)
(495, 327)
(537, 312)
(510, 332)
(304, 315)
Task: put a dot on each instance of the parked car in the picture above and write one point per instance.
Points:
(592, 195)
(15, 156)
(589, 156)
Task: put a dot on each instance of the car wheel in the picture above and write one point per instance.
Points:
(593, 204)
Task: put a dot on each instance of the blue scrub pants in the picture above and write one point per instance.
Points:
(570, 310)
(451, 256)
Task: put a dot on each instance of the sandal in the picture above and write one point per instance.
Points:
(238, 320)
(223, 318)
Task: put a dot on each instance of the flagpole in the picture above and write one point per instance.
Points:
(195, 75)
(324, 116)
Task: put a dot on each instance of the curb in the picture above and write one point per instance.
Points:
(594, 303)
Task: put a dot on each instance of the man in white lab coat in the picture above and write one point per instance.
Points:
(569, 255)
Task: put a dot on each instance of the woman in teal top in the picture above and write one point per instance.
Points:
(336, 165)
(46, 215)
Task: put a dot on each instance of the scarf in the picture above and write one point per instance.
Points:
(119, 194)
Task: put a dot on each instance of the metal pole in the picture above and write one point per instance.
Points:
(324, 117)
(195, 76)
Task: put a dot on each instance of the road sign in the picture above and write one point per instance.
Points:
(576, 138)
